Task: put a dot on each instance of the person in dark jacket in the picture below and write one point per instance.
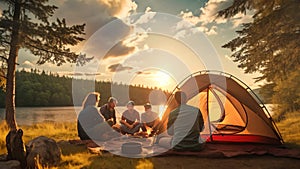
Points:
(185, 124)
(108, 110)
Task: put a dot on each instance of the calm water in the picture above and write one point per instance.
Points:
(32, 115)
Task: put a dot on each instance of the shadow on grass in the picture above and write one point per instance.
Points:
(290, 145)
(71, 149)
(108, 160)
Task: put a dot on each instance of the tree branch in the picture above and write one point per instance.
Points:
(2, 57)
(7, 59)
(3, 76)
(45, 50)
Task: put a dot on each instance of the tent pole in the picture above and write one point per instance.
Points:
(207, 107)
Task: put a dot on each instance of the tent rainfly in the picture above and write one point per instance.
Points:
(232, 112)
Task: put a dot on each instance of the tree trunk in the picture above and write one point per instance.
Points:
(10, 115)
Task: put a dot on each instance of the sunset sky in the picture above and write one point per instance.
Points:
(149, 42)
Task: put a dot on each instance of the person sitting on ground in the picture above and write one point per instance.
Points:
(185, 124)
(91, 124)
(130, 120)
(149, 119)
(108, 110)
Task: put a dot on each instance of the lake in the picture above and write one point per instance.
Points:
(33, 115)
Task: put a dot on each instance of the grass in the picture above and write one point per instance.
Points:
(77, 156)
(289, 129)
(3, 133)
(73, 156)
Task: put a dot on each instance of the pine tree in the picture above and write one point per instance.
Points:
(26, 24)
(269, 45)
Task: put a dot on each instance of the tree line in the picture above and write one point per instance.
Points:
(36, 88)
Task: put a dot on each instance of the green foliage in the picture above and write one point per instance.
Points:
(2, 79)
(43, 38)
(287, 93)
(26, 24)
(271, 46)
(266, 92)
(3, 67)
(41, 89)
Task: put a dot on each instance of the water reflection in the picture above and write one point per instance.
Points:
(33, 115)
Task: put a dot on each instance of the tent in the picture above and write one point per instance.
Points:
(231, 110)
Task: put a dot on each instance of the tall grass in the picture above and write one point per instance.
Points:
(78, 156)
(289, 128)
(3, 133)
(56, 131)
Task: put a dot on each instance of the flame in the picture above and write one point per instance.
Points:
(149, 130)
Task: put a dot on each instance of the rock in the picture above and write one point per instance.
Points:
(3, 157)
(43, 150)
(15, 147)
(12, 164)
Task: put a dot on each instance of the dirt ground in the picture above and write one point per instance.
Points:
(257, 162)
(191, 162)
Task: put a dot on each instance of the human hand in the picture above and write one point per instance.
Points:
(130, 126)
(110, 122)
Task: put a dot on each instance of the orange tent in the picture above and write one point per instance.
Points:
(231, 110)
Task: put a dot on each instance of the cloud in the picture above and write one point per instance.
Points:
(96, 13)
(185, 28)
(241, 18)
(27, 64)
(119, 8)
(118, 68)
(189, 16)
(143, 73)
(129, 45)
(145, 18)
(120, 49)
(190, 22)
(210, 11)
(180, 34)
(212, 31)
(208, 18)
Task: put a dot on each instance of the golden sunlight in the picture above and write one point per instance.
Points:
(155, 78)
(162, 79)
(144, 164)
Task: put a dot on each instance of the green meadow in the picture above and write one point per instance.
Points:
(78, 156)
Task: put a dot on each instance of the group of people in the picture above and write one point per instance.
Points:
(90, 119)
(101, 124)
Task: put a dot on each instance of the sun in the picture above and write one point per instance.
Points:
(162, 79)
(155, 78)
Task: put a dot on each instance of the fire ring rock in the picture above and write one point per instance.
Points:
(43, 151)
(12, 164)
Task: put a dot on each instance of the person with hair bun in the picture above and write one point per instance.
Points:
(91, 125)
